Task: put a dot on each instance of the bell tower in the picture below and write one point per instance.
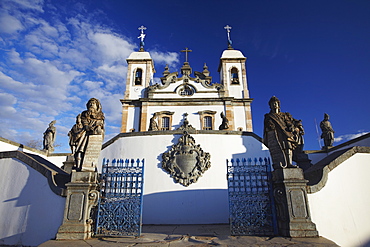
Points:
(140, 71)
(233, 76)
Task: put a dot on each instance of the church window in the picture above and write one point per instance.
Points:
(138, 77)
(207, 123)
(234, 76)
(165, 123)
(207, 119)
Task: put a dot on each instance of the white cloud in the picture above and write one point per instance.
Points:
(350, 136)
(9, 24)
(170, 58)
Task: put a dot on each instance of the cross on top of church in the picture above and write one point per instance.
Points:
(141, 37)
(228, 28)
(186, 53)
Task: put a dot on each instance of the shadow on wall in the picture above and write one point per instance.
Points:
(35, 215)
(187, 207)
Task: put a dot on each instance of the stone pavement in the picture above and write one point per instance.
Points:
(190, 235)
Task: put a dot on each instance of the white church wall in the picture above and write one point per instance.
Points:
(167, 202)
(341, 208)
(30, 212)
(193, 116)
(239, 117)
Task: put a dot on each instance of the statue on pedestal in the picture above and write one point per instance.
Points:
(89, 125)
(225, 122)
(153, 125)
(327, 132)
(49, 137)
(283, 135)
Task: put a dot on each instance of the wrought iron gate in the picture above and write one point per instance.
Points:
(120, 206)
(251, 204)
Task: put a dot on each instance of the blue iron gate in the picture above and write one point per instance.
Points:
(120, 205)
(251, 204)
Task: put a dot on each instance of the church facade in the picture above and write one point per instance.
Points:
(186, 105)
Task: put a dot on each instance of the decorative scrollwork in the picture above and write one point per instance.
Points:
(186, 161)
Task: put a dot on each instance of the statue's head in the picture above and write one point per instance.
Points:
(274, 103)
(222, 114)
(94, 103)
(326, 116)
(52, 123)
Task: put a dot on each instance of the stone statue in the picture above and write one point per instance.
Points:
(49, 137)
(89, 125)
(153, 126)
(283, 135)
(327, 132)
(225, 122)
(75, 134)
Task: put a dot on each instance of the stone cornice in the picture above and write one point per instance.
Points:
(188, 99)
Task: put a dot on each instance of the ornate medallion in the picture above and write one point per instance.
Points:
(186, 161)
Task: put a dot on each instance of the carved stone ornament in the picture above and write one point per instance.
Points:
(186, 161)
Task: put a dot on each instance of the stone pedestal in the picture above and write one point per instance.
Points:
(81, 197)
(292, 207)
(69, 164)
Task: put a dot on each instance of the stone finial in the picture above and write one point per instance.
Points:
(166, 71)
(205, 70)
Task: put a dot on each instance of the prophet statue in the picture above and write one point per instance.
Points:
(49, 137)
(89, 122)
(327, 131)
(283, 135)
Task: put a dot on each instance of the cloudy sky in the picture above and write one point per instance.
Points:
(55, 55)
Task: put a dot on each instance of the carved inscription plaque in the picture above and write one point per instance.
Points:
(74, 210)
(92, 152)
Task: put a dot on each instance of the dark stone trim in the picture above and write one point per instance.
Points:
(317, 175)
(57, 178)
(342, 145)
(180, 132)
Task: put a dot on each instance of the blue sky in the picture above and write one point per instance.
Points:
(54, 55)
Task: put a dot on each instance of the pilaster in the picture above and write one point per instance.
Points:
(230, 114)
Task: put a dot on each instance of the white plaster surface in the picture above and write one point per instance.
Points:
(232, 54)
(340, 210)
(167, 202)
(30, 213)
(55, 159)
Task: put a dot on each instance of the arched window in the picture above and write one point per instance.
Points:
(234, 76)
(138, 77)
(165, 123)
(207, 122)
